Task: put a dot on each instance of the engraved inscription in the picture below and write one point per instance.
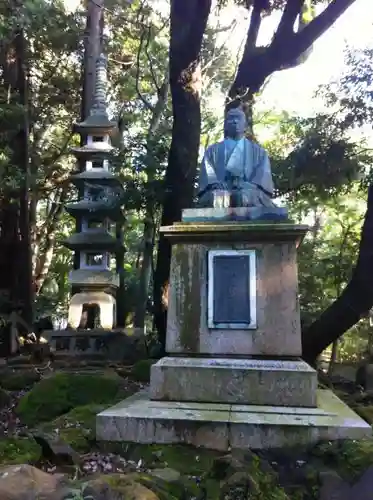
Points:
(231, 293)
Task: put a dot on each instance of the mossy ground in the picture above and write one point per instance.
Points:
(69, 402)
(12, 380)
(18, 451)
(141, 370)
(58, 394)
(77, 427)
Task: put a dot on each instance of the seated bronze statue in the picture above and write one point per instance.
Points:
(236, 171)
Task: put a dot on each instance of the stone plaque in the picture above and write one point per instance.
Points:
(231, 289)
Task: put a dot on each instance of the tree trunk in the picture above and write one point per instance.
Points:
(188, 24)
(354, 302)
(150, 226)
(26, 285)
(146, 270)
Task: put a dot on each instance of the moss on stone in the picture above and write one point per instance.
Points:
(61, 392)
(18, 380)
(348, 458)
(366, 412)
(18, 451)
(184, 459)
(141, 370)
(127, 486)
(77, 427)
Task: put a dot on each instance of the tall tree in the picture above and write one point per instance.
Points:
(16, 281)
(352, 97)
(296, 32)
(188, 24)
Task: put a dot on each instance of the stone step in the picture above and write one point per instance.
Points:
(224, 426)
(240, 381)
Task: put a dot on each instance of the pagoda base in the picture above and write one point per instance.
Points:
(224, 426)
(118, 344)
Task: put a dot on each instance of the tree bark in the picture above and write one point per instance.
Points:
(287, 46)
(15, 243)
(354, 302)
(188, 24)
(26, 290)
(150, 226)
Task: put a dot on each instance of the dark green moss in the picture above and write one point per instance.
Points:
(348, 458)
(18, 451)
(141, 370)
(18, 380)
(77, 427)
(59, 393)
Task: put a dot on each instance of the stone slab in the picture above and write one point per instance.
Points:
(234, 214)
(277, 323)
(241, 381)
(221, 427)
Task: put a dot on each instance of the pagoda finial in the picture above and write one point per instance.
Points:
(99, 97)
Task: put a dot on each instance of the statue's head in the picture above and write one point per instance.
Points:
(235, 123)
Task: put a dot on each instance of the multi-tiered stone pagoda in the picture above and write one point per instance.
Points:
(100, 193)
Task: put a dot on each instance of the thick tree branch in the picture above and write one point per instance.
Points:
(303, 40)
(292, 10)
(255, 22)
(139, 93)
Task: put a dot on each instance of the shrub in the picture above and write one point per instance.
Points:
(141, 370)
(58, 394)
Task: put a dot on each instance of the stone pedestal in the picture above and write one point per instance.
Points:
(234, 377)
(235, 381)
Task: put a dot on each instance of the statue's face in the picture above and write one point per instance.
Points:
(235, 124)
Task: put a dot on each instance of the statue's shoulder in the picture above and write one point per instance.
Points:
(255, 145)
(213, 147)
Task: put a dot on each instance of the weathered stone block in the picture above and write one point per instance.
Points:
(277, 331)
(222, 426)
(220, 213)
(240, 381)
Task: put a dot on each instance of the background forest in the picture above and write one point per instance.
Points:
(321, 162)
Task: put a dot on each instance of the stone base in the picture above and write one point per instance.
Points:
(225, 426)
(239, 381)
(271, 214)
(119, 344)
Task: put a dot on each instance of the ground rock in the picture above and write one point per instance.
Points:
(55, 450)
(166, 474)
(118, 487)
(24, 482)
(333, 487)
(363, 488)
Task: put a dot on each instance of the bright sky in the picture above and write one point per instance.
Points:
(293, 90)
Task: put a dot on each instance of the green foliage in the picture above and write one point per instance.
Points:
(348, 458)
(141, 369)
(56, 395)
(18, 451)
